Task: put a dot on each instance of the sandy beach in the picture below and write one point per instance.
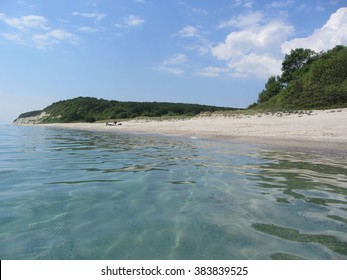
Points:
(323, 129)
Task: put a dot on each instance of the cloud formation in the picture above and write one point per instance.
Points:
(95, 16)
(53, 37)
(131, 21)
(200, 43)
(333, 33)
(25, 22)
(258, 47)
(188, 31)
(175, 64)
(243, 20)
(200, 11)
(254, 50)
(212, 71)
(34, 30)
(280, 4)
(88, 29)
(243, 3)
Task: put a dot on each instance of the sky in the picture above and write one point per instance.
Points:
(215, 52)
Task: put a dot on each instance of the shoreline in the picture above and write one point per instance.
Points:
(319, 129)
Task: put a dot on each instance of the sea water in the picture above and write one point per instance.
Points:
(69, 194)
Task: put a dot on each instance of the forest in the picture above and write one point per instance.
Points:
(309, 80)
(89, 109)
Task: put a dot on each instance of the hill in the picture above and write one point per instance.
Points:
(89, 109)
(309, 81)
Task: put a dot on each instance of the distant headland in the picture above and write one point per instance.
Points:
(89, 110)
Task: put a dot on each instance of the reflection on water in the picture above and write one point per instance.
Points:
(83, 195)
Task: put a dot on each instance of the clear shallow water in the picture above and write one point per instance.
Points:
(89, 195)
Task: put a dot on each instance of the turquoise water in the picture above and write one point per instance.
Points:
(68, 194)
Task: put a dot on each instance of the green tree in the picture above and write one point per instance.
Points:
(324, 84)
(294, 62)
(272, 88)
(308, 81)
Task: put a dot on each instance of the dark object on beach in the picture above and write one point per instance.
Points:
(111, 123)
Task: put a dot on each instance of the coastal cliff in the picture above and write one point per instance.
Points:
(31, 118)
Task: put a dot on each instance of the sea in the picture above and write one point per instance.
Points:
(83, 195)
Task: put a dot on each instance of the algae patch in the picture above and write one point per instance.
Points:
(294, 235)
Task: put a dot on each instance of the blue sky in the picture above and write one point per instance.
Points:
(216, 52)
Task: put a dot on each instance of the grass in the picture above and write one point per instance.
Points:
(257, 112)
(149, 119)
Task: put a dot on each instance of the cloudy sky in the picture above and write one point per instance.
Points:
(216, 52)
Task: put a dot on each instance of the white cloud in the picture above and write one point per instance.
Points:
(34, 31)
(260, 66)
(200, 11)
(174, 65)
(88, 29)
(25, 22)
(280, 4)
(131, 21)
(16, 38)
(257, 47)
(53, 37)
(134, 21)
(243, 20)
(243, 3)
(201, 44)
(176, 59)
(333, 33)
(96, 16)
(255, 50)
(211, 71)
(248, 4)
(188, 31)
(262, 39)
(203, 47)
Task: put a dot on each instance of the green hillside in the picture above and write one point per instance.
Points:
(88, 109)
(309, 81)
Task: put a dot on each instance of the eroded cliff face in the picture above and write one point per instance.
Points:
(30, 120)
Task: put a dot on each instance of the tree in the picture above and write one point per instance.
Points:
(325, 83)
(308, 81)
(272, 88)
(294, 62)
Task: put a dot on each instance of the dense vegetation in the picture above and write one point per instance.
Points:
(309, 80)
(30, 114)
(88, 109)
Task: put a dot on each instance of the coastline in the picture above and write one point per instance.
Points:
(318, 129)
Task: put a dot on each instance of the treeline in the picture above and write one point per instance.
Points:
(30, 114)
(88, 109)
(309, 80)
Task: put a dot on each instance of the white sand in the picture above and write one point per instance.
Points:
(319, 128)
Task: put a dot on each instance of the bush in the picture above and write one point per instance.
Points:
(90, 119)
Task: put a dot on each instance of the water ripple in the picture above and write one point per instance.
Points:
(89, 195)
